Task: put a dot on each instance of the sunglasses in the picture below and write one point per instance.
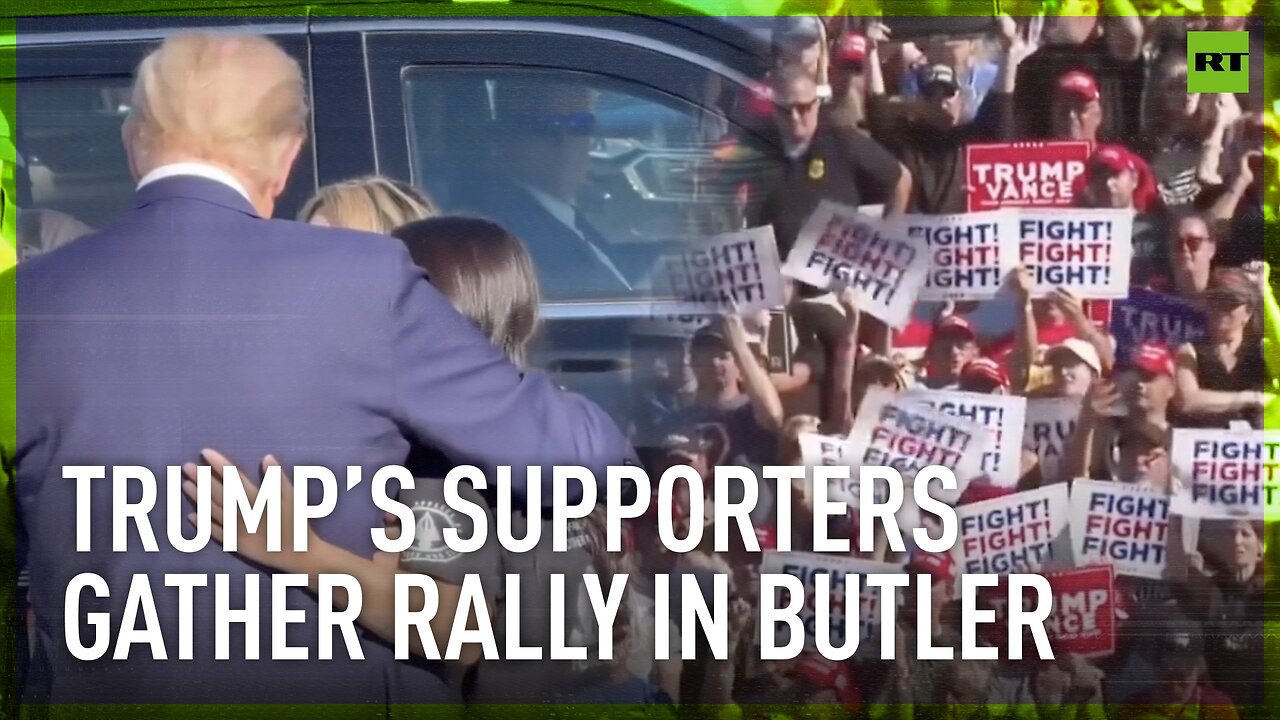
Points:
(803, 108)
(560, 125)
(1192, 242)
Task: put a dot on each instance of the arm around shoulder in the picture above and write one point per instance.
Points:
(453, 390)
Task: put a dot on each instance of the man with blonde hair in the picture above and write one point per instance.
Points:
(196, 321)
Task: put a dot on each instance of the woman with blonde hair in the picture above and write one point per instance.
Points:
(373, 204)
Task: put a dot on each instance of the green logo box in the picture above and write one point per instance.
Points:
(1218, 62)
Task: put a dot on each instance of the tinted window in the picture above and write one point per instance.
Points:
(594, 175)
(72, 163)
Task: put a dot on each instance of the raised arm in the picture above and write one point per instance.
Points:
(376, 578)
(840, 380)
(454, 391)
(765, 401)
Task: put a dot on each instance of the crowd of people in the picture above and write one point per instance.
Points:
(862, 119)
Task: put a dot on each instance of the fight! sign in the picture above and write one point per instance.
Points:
(839, 247)
(734, 270)
(969, 255)
(1027, 174)
(1011, 534)
(909, 436)
(1003, 415)
(1226, 473)
(807, 566)
(1086, 251)
(1122, 526)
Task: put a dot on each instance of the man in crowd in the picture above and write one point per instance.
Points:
(544, 151)
(953, 345)
(1076, 107)
(324, 346)
(930, 136)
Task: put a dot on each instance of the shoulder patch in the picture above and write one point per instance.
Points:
(431, 518)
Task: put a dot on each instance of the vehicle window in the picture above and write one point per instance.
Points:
(595, 175)
(72, 172)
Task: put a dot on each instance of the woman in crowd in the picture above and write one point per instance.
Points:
(1220, 586)
(1220, 375)
(373, 204)
(488, 275)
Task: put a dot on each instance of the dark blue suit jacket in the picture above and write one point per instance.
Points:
(191, 323)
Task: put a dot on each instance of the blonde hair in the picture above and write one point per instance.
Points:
(237, 100)
(373, 204)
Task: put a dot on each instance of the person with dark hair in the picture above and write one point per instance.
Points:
(485, 271)
(488, 276)
(1220, 585)
(1221, 375)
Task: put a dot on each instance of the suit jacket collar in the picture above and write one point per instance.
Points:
(192, 187)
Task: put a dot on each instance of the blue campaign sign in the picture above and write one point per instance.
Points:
(1148, 316)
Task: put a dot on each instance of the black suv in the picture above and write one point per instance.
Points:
(673, 145)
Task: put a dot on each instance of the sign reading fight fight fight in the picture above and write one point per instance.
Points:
(1085, 251)
(1003, 415)
(1015, 533)
(839, 247)
(1027, 174)
(969, 255)
(734, 270)
(909, 437)
(1226, 473)
(1125, 527)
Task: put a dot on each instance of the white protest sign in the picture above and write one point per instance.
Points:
(839, 247)
(683, 326)
(1003, 415)
(715, 274)
(970, 255)
(1012, 534)
(910, 437)
(1050, 421)
(1086, 251)
(833, 451)
(1120, 525)
(841, 570)
(1226, 473)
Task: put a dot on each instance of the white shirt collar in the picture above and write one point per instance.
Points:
(208, 172)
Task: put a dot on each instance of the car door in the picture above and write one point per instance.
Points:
(491, 116)
(72, 83)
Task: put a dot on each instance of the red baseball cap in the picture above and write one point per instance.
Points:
(852, 48)
(1152, 358)
(1115, 158)
(982, 489)
(1080, 84)
(940, 565)
(983, 370)
(954, 324)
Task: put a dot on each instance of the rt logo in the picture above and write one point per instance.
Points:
(1219, 62)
